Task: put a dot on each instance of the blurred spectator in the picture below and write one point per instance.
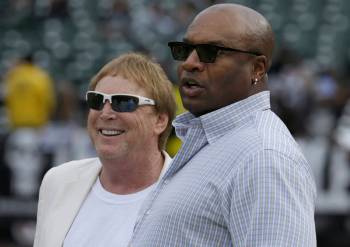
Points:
(29, 97)
(292, 88)
(342, 134)
(326, 87)
(29, 102)
(23, 158)
(64, 138)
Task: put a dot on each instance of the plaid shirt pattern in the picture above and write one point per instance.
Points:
(239, 180)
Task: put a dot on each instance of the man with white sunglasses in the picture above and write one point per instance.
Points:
(95, 202)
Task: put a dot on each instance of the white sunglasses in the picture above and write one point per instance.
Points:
(119, 102)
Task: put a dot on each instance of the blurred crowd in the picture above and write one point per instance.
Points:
(49, 49)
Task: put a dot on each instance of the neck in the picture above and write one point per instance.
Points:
(131, 174)
(259, 87)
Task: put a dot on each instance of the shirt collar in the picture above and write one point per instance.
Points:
(219, 122)
(167, 162)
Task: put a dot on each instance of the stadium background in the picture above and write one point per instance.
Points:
(72, 39)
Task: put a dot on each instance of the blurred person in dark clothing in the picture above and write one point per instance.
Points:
(95, 202)
(239, 178)
(342, 134)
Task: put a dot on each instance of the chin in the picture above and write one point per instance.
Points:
(108, 152)
(195, 108)
(197, 112)
(104, 153)
(109, 156)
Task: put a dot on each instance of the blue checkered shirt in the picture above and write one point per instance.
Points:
(239, 180)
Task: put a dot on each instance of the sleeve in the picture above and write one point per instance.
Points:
(272, 202)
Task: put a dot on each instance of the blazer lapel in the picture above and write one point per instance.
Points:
(73, 195)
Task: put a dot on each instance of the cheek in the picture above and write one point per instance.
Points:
(91, 119)
(227, 87)
(179, 70)
(144, 124)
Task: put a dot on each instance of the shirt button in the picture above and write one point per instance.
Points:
(166, 181)
(148, 212)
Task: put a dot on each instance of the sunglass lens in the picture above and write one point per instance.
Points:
(207, 53)
(95, 101)
(180, 51)
(122, 103)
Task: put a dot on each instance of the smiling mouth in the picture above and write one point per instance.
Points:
(105, 132)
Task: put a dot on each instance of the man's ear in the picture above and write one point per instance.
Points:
(161, 123)
(260, 66)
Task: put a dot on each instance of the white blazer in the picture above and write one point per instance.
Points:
(62, 192)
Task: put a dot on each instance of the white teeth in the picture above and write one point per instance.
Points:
(111, 132)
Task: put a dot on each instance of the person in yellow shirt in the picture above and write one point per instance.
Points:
(29, 97)
(29, 101)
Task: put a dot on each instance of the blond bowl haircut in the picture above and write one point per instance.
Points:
(149, 76)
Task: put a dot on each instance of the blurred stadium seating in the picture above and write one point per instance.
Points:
(71, 39)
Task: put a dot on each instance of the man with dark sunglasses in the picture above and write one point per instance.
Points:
(239, 178)
(95, 202)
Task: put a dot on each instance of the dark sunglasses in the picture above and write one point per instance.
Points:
(207, 53)
(119, 102)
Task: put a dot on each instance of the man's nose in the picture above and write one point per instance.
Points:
(107, 111)
(192, 62)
